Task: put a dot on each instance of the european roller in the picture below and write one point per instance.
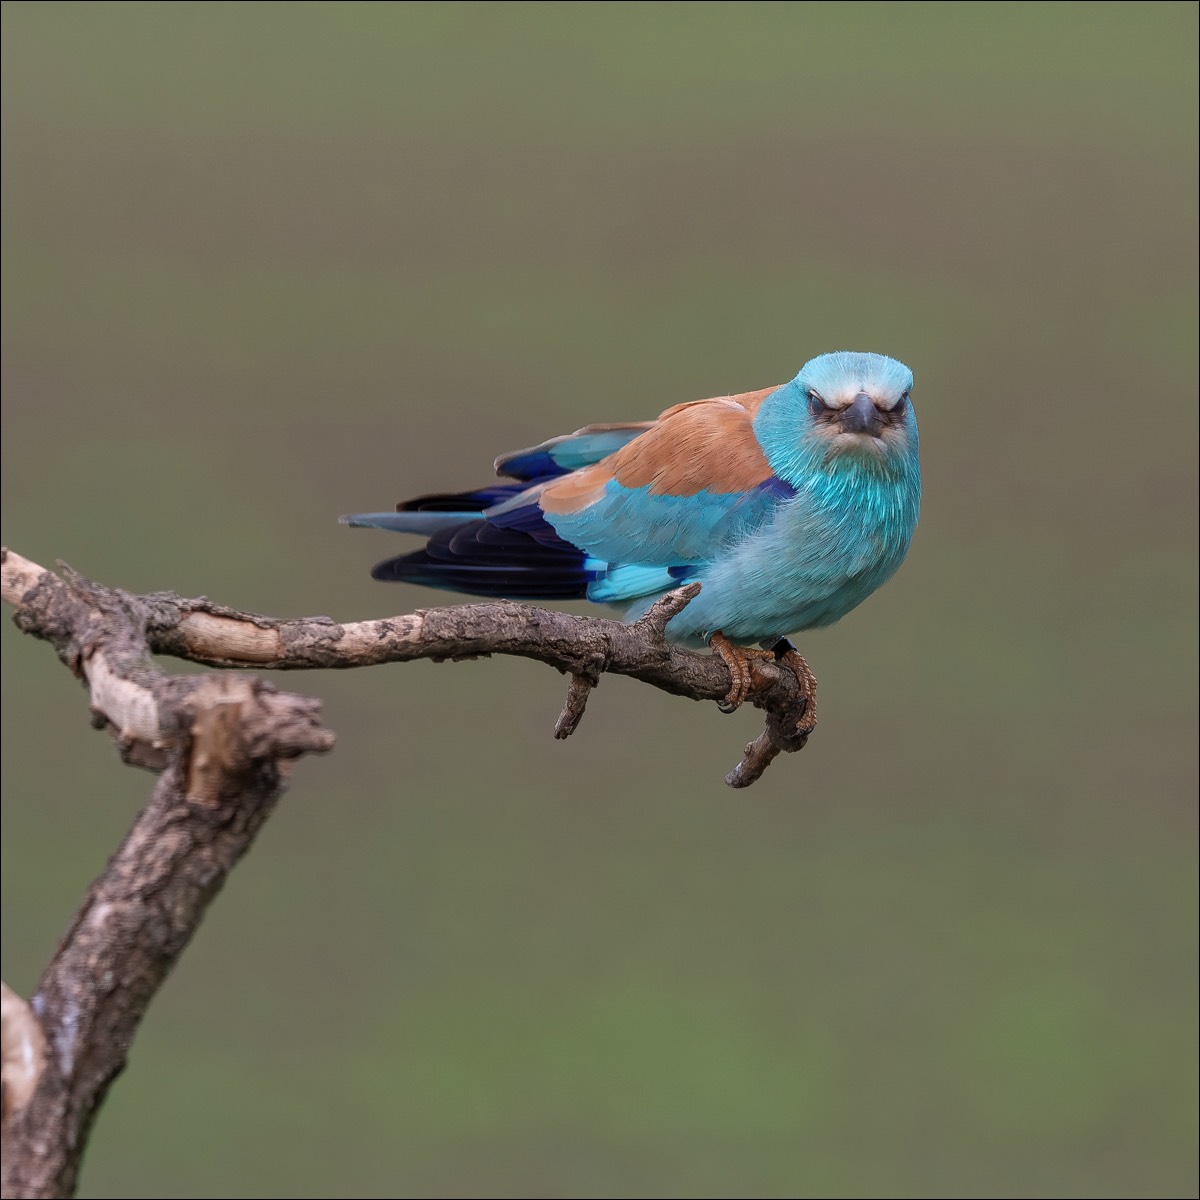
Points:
(789, 505)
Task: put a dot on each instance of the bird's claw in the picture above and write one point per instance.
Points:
(737, 659)
(784, 652)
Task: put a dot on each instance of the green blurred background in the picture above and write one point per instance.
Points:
(269, 263)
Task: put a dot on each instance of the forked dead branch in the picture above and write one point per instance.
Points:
(223, 745)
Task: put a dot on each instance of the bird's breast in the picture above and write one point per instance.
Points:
(825, 550)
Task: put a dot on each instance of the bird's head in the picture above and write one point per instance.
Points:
(857, 404)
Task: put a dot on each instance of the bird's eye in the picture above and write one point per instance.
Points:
(816, 404)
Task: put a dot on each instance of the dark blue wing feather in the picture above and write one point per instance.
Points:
(517, 555)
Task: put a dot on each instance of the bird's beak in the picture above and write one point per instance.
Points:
(862, 416)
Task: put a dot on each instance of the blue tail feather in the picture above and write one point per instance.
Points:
(423, 523)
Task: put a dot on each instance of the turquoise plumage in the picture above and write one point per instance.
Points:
(789, 506)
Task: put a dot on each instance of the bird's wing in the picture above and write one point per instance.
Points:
(692, 483)
(631, 522)
(561, 455)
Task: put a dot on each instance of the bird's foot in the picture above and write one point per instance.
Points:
(784, 652)
(737, 659)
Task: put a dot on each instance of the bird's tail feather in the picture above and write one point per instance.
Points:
(425, 515)
(424, 523)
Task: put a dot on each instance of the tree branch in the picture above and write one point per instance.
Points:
(223, 745)
(582, 647)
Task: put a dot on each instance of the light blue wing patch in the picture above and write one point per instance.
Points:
(632, 525)
(629, 582)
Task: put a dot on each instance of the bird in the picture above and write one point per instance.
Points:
(789, 505)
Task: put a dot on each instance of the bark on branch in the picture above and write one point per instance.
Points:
(223, 745)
